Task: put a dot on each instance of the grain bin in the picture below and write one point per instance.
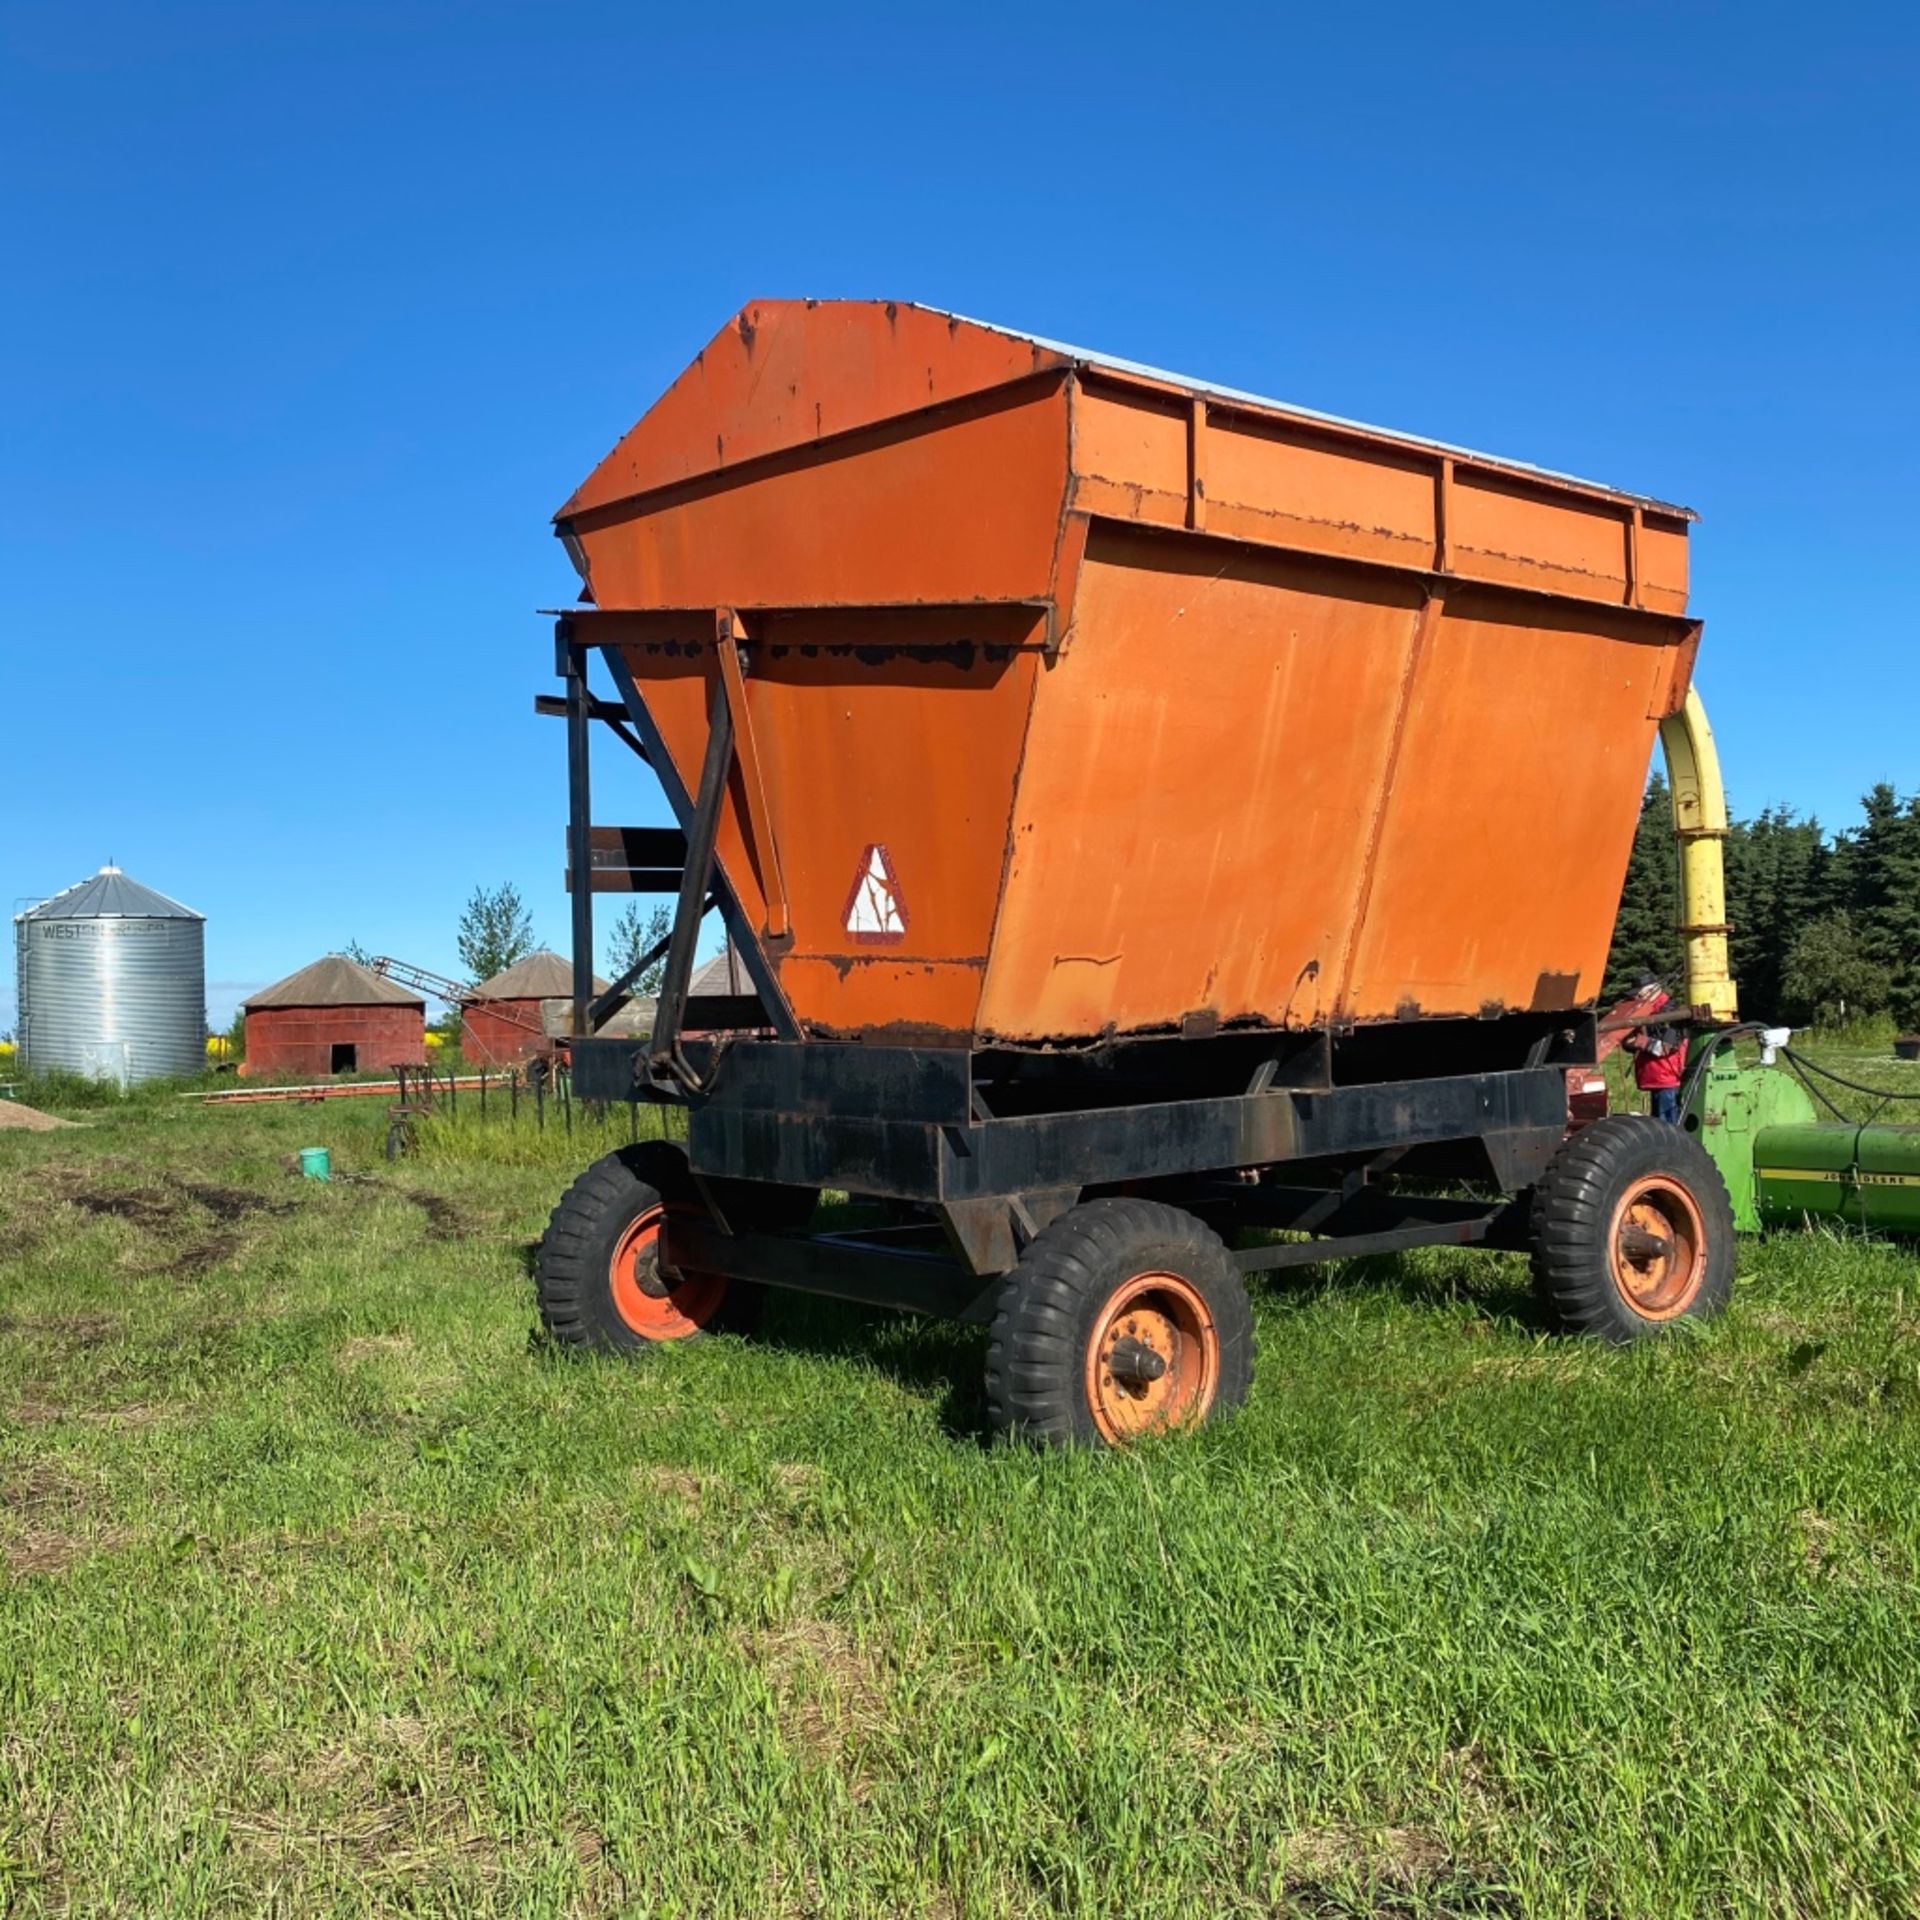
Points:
(112, 982)
(1143, 811)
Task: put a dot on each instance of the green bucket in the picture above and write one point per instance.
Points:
(316, 1163)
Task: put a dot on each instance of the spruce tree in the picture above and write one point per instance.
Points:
(1777, 885)
(1884, 893)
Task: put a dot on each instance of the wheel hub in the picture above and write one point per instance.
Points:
(1154, 1359)
(657, 1300)
(1657, 1247)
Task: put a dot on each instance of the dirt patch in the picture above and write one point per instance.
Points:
(76, 1330)
(51, 1504)
(148, 1207)
(673, 1486)
(396, 1838)
(231, 1204)
(178, 1208)
(197, 1258)
(1404, 1870)
(1403, 1856)
(33, 1412)
(1840, 1550)
(826, 1692)
(444, 1219)
(369, 1346)
(41, 1550)
(42, 1489)
(30, 1119)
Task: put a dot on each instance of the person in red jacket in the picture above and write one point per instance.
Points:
(1659, 1062)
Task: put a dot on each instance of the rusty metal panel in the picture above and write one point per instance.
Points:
(1203, 765)
(1077, 699)
(965, 507)
(900, 732)
(1511, 810)
(1266, 481)
(1291, 483)
(787, 373)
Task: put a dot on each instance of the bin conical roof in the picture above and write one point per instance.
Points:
(110, 895)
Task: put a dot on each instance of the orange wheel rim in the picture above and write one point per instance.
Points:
(1154, 1359)
(686, 1304)
(1657, 1247)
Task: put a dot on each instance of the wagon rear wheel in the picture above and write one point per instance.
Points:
(1125, 1317)
(1632, 1230)
(601, 1275)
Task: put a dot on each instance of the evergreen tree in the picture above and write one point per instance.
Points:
(1645, 939)
(1778, 883)
(1884, 872)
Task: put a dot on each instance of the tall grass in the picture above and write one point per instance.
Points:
(553, 1134)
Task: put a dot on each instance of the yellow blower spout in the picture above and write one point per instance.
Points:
(1700, 826)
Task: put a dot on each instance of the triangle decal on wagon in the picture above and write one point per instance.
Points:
(876, 912)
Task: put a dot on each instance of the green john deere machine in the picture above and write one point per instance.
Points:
(1787, 1149)
(1785, 1162)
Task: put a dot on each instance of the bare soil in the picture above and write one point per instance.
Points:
(13, 1114)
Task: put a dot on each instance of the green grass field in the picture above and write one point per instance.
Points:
(328, 1590)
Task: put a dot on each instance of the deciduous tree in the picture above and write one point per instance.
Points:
(495, 931)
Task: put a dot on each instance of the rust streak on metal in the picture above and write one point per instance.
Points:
(773, 884)
(1424, 623)
(1197, 465)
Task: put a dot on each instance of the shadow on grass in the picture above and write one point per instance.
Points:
(1491, 1287)
(937, 1360)
(945, 1363)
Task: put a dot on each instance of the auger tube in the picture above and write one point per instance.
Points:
(1700, 827)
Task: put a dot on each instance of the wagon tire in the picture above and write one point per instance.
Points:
(1124, 1317)
(597, 1274)
(1631, 1231)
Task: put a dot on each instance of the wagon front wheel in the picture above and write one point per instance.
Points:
(602, 1276)
(1632, 1230)
(1125, 1317)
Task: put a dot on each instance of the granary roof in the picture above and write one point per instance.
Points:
(333, 981)
(724, 973)
(540, 976)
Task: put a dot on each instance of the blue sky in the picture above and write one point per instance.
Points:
(314, 313)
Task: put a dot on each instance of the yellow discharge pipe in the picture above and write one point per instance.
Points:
(1700, 826)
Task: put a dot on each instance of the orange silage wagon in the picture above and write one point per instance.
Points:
(1144, 812)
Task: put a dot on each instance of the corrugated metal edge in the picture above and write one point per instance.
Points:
(1088, 358)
